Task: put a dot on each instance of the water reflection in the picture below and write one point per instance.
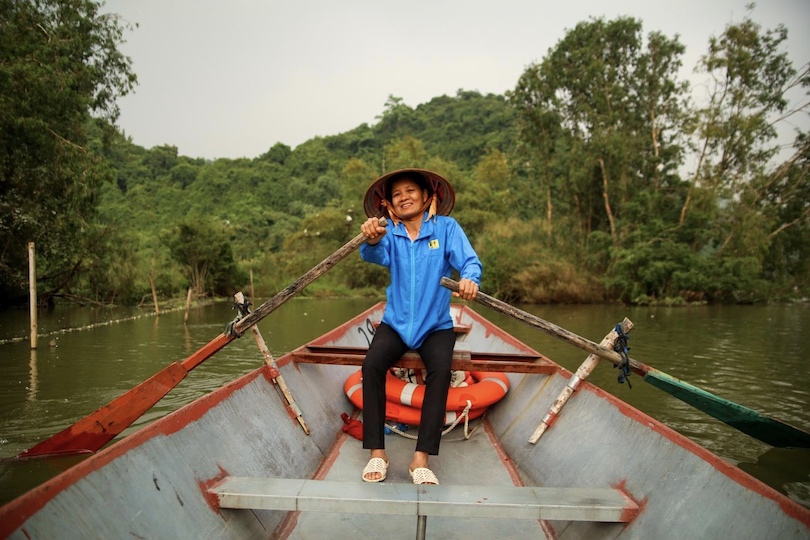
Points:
(786, 469)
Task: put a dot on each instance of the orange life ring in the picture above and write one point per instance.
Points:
(488, 388)
(396, 412)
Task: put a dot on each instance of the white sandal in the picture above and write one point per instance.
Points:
(423, 475)
(376, 465)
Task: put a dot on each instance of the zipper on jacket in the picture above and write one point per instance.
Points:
(413, 292)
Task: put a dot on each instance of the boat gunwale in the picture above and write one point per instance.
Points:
(14, 514)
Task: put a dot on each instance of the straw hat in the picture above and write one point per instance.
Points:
(379, 194)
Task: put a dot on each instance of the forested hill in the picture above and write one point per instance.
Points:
(598, 177)
(282, 212)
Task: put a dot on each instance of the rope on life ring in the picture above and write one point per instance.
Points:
(464, 415)
(404, 414)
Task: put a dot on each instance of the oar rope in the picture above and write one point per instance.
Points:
(464, 415)
(621, 347)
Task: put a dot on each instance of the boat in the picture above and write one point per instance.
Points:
(266, 456)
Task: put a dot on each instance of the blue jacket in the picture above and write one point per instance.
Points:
(417, 304)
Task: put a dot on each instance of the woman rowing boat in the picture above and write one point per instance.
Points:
(423, 245)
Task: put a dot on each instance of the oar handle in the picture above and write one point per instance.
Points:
(295, 287)
(547, 327)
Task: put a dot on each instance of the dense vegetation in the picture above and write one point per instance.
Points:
(599, 177)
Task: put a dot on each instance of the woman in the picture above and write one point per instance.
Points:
(421, 245)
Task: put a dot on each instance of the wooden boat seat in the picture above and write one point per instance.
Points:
(458, 328)
(463, 359)
(547, 503)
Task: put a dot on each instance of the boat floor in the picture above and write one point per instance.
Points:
(473, 461)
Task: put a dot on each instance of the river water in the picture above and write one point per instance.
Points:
(757, 356)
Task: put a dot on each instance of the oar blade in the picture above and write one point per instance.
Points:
(748, 421)
(94, 431)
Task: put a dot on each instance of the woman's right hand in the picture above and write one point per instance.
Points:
(372, 230)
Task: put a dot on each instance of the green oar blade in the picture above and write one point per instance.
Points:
(749, 421)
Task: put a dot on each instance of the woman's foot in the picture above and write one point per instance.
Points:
(377, 468)
(423, 475)
(419, 470)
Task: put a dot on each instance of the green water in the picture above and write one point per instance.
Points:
(757, 356)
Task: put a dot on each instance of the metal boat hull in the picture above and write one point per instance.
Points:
(154, 483)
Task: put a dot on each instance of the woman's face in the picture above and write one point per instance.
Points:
(407, 198)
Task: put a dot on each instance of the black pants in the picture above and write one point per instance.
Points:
(386, 348)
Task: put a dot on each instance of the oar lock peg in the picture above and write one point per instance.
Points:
(243, 309)
(620, 346)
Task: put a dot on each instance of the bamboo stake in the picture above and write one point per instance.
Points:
(573, 384)
(188, 306)
(32, 292)
(275, 374)
(154, 294)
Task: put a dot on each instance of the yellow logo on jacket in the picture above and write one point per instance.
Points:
(434, 244)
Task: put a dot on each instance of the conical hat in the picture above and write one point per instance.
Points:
(380, 190)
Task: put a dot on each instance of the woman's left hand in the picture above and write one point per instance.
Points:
(467, 289)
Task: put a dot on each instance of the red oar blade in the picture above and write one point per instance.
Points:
(96, 430)
(99, 428)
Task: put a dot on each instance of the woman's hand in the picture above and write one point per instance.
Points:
(372, 230)
(467, 289)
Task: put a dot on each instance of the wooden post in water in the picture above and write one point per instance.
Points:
(154, 294)
(188, 306)
(32, 292)
(252, 290)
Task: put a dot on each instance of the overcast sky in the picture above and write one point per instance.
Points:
(231, 78)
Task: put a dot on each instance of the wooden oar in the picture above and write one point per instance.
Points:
(752, 423)
(94, 431)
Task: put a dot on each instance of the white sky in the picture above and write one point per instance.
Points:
(230, 78)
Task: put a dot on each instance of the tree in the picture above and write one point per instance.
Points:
(203, 250)
(60, 64)
(599, 114)
(750, 194)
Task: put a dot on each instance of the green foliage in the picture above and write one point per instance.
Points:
(522, 265)
(60, 63)
(571, 187)
(202, 248)
(596, 117)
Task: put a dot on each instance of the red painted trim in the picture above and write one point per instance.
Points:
(15, 513)
(212, 499)
(495, 330)
(511, 469)
(630, 513)
(790, 507)
(286, 527)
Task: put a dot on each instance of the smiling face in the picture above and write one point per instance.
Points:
(408, 198)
